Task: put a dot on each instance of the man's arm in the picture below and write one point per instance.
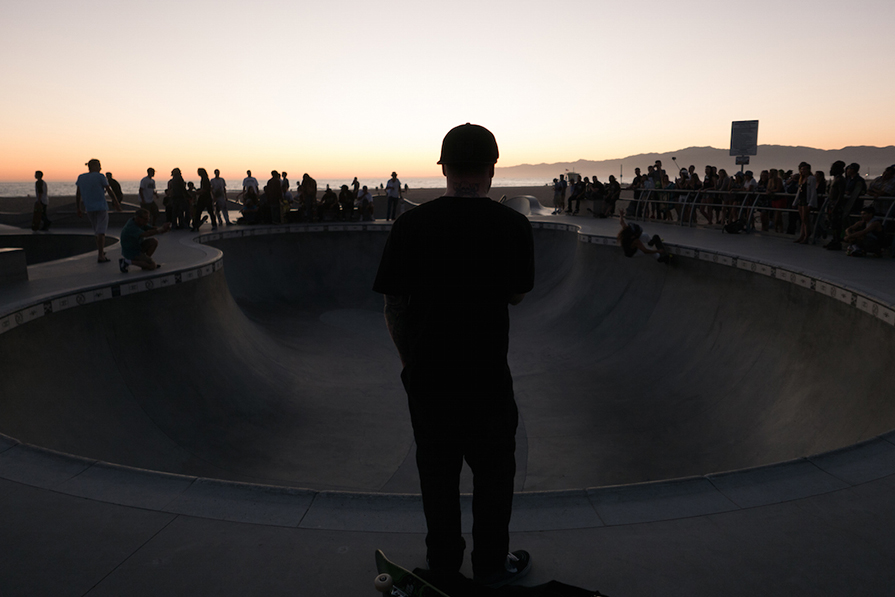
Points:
(115, 202)
(156, 230)
(78, 201)
(396, 322)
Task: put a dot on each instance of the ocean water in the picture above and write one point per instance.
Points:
(67, 188)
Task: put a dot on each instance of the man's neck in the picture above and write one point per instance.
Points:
(468, 188)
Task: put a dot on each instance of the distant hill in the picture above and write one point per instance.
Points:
(873, 161)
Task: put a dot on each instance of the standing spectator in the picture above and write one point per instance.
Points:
(148, 195)
(204, 202)
(91, 188)
(393, 192)
(116, 188)
(355, 187)
(806, 199)
(219, 194)
(835, 204)
(273, 195)
(179, 200)
(855, 187)
(308, 193)
(449, 270)
(762, 202)
(557, 194)
(41, 202)
(708, 183)
(778, 203)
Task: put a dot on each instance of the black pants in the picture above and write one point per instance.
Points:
(483, 433)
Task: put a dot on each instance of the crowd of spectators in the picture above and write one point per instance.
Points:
(804, 203)
(275, 203)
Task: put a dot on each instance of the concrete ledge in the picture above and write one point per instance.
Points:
(243, 502)
(13, 265)
(127, 486)
(651, 502)
(860, 463)
(383, 513)
(775, 483)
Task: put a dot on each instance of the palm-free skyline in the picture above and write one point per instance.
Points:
(360, 88)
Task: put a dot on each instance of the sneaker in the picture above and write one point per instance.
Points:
(517, 565)
(122, 265)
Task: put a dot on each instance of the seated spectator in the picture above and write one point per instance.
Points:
(883, 186)
(577, 194)
(250, 209)
(137, 246)
(329, 205)
(346, 203)
(613, 192)
(365, 204)
(866, 236)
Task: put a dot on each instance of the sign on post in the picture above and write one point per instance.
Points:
(744, 137)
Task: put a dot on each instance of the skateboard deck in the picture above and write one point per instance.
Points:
(399, 582)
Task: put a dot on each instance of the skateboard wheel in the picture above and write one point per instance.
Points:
(383, 583)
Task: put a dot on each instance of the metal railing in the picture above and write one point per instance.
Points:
(682, 207)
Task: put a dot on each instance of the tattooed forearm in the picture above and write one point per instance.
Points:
(396, 322)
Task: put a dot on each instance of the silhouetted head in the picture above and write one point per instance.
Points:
(94, 165)
(203, 174)
(469, 145)
(150, 172)
(217, 172)
(38, 175)
(109, 175)
(838, 168)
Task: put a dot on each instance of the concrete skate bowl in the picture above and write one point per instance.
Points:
(277, 369)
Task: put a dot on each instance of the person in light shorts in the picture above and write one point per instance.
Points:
(91, 189)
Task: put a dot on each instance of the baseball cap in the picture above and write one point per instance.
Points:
(92, 161)
(469, 144)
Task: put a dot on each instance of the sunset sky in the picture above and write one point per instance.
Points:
(351, 87)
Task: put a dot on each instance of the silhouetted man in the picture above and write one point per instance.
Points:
(91, 189)
(449, 270)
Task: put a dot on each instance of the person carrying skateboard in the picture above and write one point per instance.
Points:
(449, 270)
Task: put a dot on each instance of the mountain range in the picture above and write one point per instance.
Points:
(873, 161)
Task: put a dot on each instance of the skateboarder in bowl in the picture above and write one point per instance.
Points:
(631, 238)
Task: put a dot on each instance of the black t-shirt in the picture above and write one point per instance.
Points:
(458, 259)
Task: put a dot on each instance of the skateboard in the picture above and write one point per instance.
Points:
(399, 582)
